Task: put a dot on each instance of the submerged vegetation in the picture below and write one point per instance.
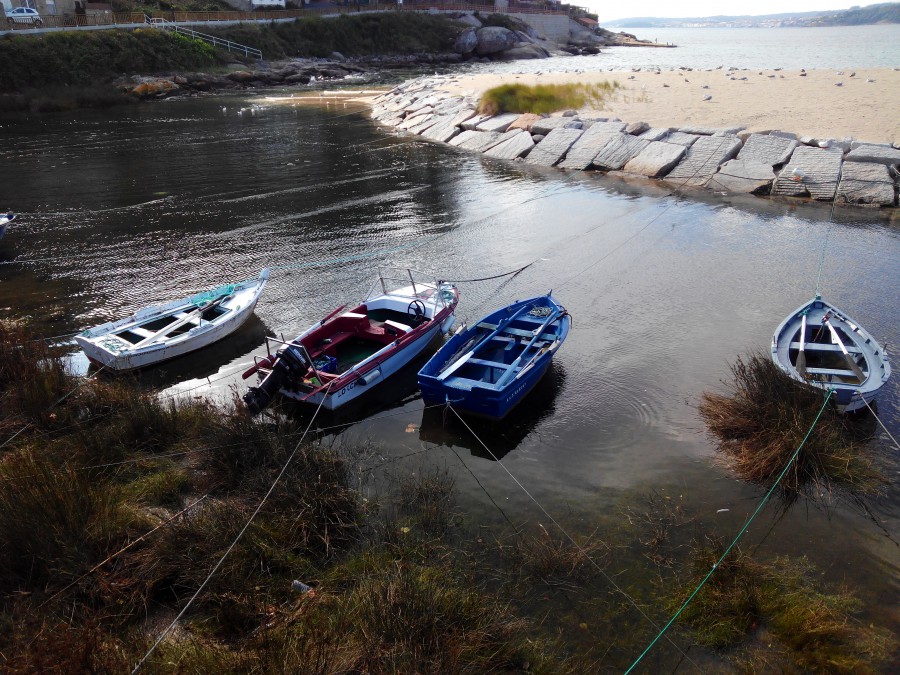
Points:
(765, 417)
(545, 98)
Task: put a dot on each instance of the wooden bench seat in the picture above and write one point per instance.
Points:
(825, 347)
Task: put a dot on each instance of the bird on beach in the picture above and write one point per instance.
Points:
(838, 84)
(853, 74)
(705, 86)
(708, 97)
(870, 80)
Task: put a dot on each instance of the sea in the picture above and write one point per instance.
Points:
(836, 47)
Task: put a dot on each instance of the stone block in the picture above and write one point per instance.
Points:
(656, 160)
(553, 147)
(703, 159)
(473, 122)
(583, 151)
(618, 151)
(877, 154)
(463, 115)
(710, 131)
(525, 121)
(477, 141)
(681, 138)
(866, 183)
(442, 130)
(810, 172)
(784, 134)
(516, 143)
(547, 124)
(412, 120)
(768, 149)
(655, 134)
(743, 175)
(499, 122)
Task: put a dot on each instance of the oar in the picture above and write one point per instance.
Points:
(183, 320)
(850, 361)
(801, 357)
(507, 376)
(446, 372)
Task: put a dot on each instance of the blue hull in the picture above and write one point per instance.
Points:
(491, 367)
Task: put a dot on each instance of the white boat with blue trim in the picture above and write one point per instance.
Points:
(159, 333)
(821, 346)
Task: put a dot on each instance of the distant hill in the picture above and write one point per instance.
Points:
(888, 12)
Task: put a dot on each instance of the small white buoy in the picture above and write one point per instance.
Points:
(797, 174)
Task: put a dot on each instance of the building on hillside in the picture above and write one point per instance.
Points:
(58, 7)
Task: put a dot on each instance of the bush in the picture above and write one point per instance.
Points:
(544, 98)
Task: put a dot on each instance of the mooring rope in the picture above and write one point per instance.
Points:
(878, 419)
(569, 537)
(739, 534)
(236, 540)
(513, 273)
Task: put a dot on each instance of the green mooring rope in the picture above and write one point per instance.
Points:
(739, 534)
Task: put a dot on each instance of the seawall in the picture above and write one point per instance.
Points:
(722, 159)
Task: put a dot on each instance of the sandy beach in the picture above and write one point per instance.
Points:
(766, 100)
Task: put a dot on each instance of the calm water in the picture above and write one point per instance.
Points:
(788, 48)
(138, 205)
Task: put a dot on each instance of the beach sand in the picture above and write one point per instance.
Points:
(810, 105)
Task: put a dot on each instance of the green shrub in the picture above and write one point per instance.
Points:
(544, 98)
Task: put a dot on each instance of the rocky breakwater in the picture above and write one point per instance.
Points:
(770, 163)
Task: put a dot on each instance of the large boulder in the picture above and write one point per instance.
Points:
(466, 42)
(523, 50)
(493, 39)
(469, 20)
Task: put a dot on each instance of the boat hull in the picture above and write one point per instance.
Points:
(371, 379)
(489, 379)
(101, 348)
(825, 364)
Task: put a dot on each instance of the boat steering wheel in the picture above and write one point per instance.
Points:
(416, 310)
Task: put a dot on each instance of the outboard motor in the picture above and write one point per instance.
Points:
(291, 364)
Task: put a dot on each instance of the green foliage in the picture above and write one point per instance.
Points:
(544, 98)
(502, 21)
(351, 35)
(70, 58)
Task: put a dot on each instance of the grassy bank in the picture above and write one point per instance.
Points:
(115, 506)
(545, 98)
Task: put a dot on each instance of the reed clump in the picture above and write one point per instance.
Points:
(764, 418)
(779, 604)
(545, 98)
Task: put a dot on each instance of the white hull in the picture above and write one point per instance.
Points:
(103, 346)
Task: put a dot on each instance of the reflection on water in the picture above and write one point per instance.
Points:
(441, 426)
(125, 208)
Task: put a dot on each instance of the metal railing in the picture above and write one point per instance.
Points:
(163, 24)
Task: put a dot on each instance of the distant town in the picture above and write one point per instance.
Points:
(856, 15)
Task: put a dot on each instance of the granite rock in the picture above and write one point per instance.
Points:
(743, 175)
(618, 151)
(499, 122)
(553, 146)
(515, 144)
(703, 158)
(866, 183)
(655, 160)
(878, 154)
(767, 149)
(582, 153)
(811, 172)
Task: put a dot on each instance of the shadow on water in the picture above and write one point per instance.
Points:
(399, 390)
(441, 427)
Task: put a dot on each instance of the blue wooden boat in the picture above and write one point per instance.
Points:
(5, 219)
(486, 370)
(821, 346)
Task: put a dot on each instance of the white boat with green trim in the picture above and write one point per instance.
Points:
(159, 333)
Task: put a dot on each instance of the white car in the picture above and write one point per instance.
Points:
(24, 15)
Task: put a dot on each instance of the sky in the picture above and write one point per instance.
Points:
(668, 8)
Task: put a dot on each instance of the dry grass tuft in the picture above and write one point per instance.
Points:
(764, 418)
